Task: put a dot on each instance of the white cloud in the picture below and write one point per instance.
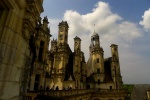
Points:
(107, 23)
(146, 20)
(111, 27)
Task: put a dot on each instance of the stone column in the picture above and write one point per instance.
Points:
(32, 81)
(42, 81)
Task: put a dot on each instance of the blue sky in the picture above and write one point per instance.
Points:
(126, 8)
(123, 22)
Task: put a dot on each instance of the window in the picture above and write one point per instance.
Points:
(110, 87)
(41, 51)
(116, 85)
(93, 42)
(99, 82)
(88, 86)
(98, 70)
(37, 77)
(37, 80)
(97, 60)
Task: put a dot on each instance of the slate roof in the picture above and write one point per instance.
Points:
(139, 91)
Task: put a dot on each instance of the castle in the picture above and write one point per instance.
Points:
(27, 64)
(67, 68)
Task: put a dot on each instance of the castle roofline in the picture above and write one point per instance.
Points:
(113, 45)
(77, 38)
(95, 34)
(63, 23)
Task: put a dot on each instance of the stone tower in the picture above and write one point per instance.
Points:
(53, 45)
(116, 75)
(61, 57)
(97, 60)
(77, 61)
(63, 33)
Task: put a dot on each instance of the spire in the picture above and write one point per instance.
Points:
(94, 31)
(45, 19)
(94, 28)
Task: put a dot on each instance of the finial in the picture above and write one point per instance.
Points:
(94, 28)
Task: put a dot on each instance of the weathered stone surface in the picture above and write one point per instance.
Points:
(9, 90)
(5, 72)
(14, 48)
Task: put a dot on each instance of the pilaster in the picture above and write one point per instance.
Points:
(32, 80)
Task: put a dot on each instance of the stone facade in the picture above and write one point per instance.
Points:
(18, 21)
(68, 69)
(39, 63)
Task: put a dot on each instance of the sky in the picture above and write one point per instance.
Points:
(122, 22)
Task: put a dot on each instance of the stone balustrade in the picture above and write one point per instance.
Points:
(74, 92)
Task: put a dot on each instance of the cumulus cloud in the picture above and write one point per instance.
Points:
(107, 23)
(146, 20)
(110, 26)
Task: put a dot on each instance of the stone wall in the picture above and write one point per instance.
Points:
(15, 51)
